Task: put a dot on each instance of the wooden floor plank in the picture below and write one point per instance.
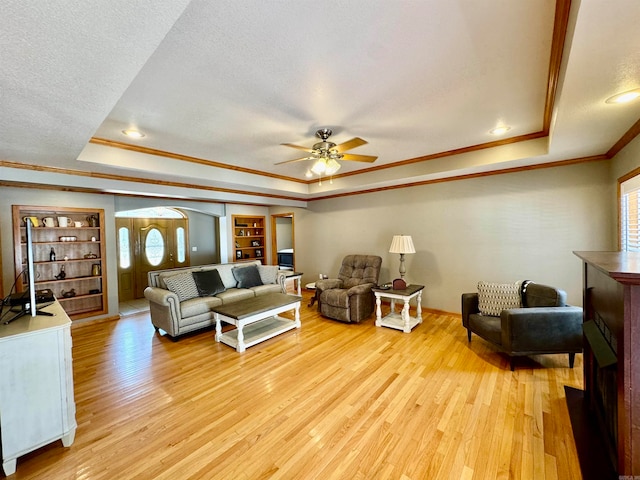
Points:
(327, 401)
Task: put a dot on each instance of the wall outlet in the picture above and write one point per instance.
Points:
(194, 249)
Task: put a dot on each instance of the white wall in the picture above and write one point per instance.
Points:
(500, 228)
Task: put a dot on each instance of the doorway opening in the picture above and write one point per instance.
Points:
(148, 239)
(283, 241)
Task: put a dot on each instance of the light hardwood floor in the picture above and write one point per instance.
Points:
(328, 401)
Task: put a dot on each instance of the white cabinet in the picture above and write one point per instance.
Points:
(36, 384)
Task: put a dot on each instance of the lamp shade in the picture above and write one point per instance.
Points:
(402, 244)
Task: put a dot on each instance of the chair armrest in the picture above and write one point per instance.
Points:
(469, 306)
(160, 296)
(328, 284)
(360, 289)
(542, 328)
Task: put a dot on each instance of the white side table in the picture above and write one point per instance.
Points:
(297, 280)
(400, 321)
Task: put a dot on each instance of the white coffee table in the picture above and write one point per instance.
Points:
(400, 321)
(256, 319)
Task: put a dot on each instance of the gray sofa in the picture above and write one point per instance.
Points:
(179, 305)
(543, 323)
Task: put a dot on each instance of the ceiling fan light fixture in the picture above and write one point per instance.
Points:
(624, 97)
(326, 155)
(320, 166)
(332, 167)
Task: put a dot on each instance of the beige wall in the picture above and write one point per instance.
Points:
(500, 228)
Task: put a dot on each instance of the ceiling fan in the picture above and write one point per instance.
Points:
(326, 154)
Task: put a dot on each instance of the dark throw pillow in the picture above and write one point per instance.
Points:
(208, 282)
(247, 277)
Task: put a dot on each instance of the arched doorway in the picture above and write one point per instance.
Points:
(148, 239)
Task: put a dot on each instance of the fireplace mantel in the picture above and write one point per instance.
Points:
(611, 301)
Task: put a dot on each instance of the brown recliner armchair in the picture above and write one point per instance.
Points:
(349, 298)
(543, 323)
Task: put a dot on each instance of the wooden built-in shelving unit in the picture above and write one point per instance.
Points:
(79, 251)
(249, 237)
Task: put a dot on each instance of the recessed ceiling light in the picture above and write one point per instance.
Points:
(624, 97)
(499, 130)
(133, 133)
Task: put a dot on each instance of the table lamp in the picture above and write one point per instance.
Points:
(402, 244)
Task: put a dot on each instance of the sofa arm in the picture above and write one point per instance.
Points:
(164, 308)
(160, 296)
(469, 306)
(542, 329)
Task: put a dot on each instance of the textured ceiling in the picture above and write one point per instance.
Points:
(217, 87)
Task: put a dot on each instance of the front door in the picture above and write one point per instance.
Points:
(157, 244)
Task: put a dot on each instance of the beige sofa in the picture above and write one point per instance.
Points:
(177, 309)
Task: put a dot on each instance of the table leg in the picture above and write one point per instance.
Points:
(405, 317)
(67, 440)
(9, 467)
(241, 347)
(378, 311)
(218, 327)
(419, 308)
(314, 298)
(297, 316)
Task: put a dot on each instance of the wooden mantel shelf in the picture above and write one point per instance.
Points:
(624, 267)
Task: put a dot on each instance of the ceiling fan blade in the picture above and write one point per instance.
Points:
(349, 144)
(359, 158)
(291, 161)
(306, 149)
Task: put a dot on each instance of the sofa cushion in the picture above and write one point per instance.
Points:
(262, 289)
(488, 328)
(495, 297)
(226, 274)
(538, 295)
(247, 277)
(208, 282)
(352, 282)
(162, 277)
(231, 295)
(335, 297)
(268, 273)
(198, 306)
(182, 285)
